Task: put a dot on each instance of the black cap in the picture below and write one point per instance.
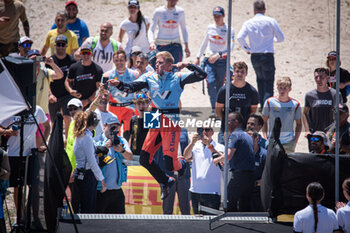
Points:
(332, 54)
(134, 3)
(218, 11)
(33, 52)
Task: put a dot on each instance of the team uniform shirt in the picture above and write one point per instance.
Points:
(343, 216)
(29, 138)
(344, 78)
(115, 172)
(216, 38)
(288, 112)
(321, 105)
(84, 151)
(58, 88)
(9, 31)
(43, 82)
(103, 56)
(304, 220)
(102, 116)
(50, 41)
(168, 22)
(243, 158)
(206, 176)
(79, 27)
(141, 40)
(262, 31)
(85, 78)
(117, 96)
(240, 100)
(165, 90)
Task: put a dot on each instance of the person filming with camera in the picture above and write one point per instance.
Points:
(112, 150)
(87, 172)
(206, 176)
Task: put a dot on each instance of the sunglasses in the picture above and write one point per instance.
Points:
(315, 139)
(72, 109)
(141, 96)
(26, 45)
(86, 53)
(61, 44)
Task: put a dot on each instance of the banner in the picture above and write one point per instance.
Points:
(12, 101)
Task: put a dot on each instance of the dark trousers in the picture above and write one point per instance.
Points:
(175, 49)
(208, 200)
(240, 189)
(86, 192)
(110, 202)
(256, 200)
(180, 187)
(264, 66)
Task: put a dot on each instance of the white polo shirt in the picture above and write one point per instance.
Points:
(304, 220)
(343, 216)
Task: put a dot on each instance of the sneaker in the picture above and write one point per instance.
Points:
(165, 188)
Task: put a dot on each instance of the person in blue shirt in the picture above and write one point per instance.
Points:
(115, 171)
(165, 89)
(260, 158)
(75, 24)
(241, 157)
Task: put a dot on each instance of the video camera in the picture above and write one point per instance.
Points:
(114, 136)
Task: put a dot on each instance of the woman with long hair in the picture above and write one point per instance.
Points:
(136, 26)
(87, 172)
(315, 217)
(343, 210)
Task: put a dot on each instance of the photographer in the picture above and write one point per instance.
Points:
(87, 171)
(114, 170)
(206, 176)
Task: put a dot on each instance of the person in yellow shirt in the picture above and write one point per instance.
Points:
(61, 22)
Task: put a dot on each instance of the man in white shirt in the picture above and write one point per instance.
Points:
(206, 176)
(215, 56)
(262, 31)
(103, 47)
(168, 19)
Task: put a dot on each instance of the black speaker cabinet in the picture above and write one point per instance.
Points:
(23, 72)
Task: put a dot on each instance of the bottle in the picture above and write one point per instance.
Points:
(65, 208)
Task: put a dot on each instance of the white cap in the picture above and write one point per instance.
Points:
(136, 49)
(76, 102)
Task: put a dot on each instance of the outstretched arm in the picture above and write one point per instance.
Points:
(197, 73)
(128, 87)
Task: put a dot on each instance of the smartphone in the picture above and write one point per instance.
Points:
(200, 132)
(105, 84)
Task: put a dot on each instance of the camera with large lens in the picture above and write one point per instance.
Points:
(114, 136)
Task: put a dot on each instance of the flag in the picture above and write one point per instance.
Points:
(12, 100)
(53, 192)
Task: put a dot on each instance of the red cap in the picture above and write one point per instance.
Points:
(71, 2)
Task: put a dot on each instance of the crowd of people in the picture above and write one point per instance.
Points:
(103, 91)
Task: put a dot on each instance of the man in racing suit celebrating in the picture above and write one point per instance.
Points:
(165, 89)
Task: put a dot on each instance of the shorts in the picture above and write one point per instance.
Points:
(6, 49)
(61, 104)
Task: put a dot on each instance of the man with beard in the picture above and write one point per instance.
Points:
(75, 24)
(61, 22)
(102, 113)
(59, 96)
(103, 47)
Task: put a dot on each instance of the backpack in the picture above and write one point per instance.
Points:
(96, 38)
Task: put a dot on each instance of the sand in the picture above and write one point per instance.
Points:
(308, 26)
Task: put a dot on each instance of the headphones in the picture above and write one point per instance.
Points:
(92, 119)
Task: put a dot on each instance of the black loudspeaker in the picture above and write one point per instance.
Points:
(23, 72)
